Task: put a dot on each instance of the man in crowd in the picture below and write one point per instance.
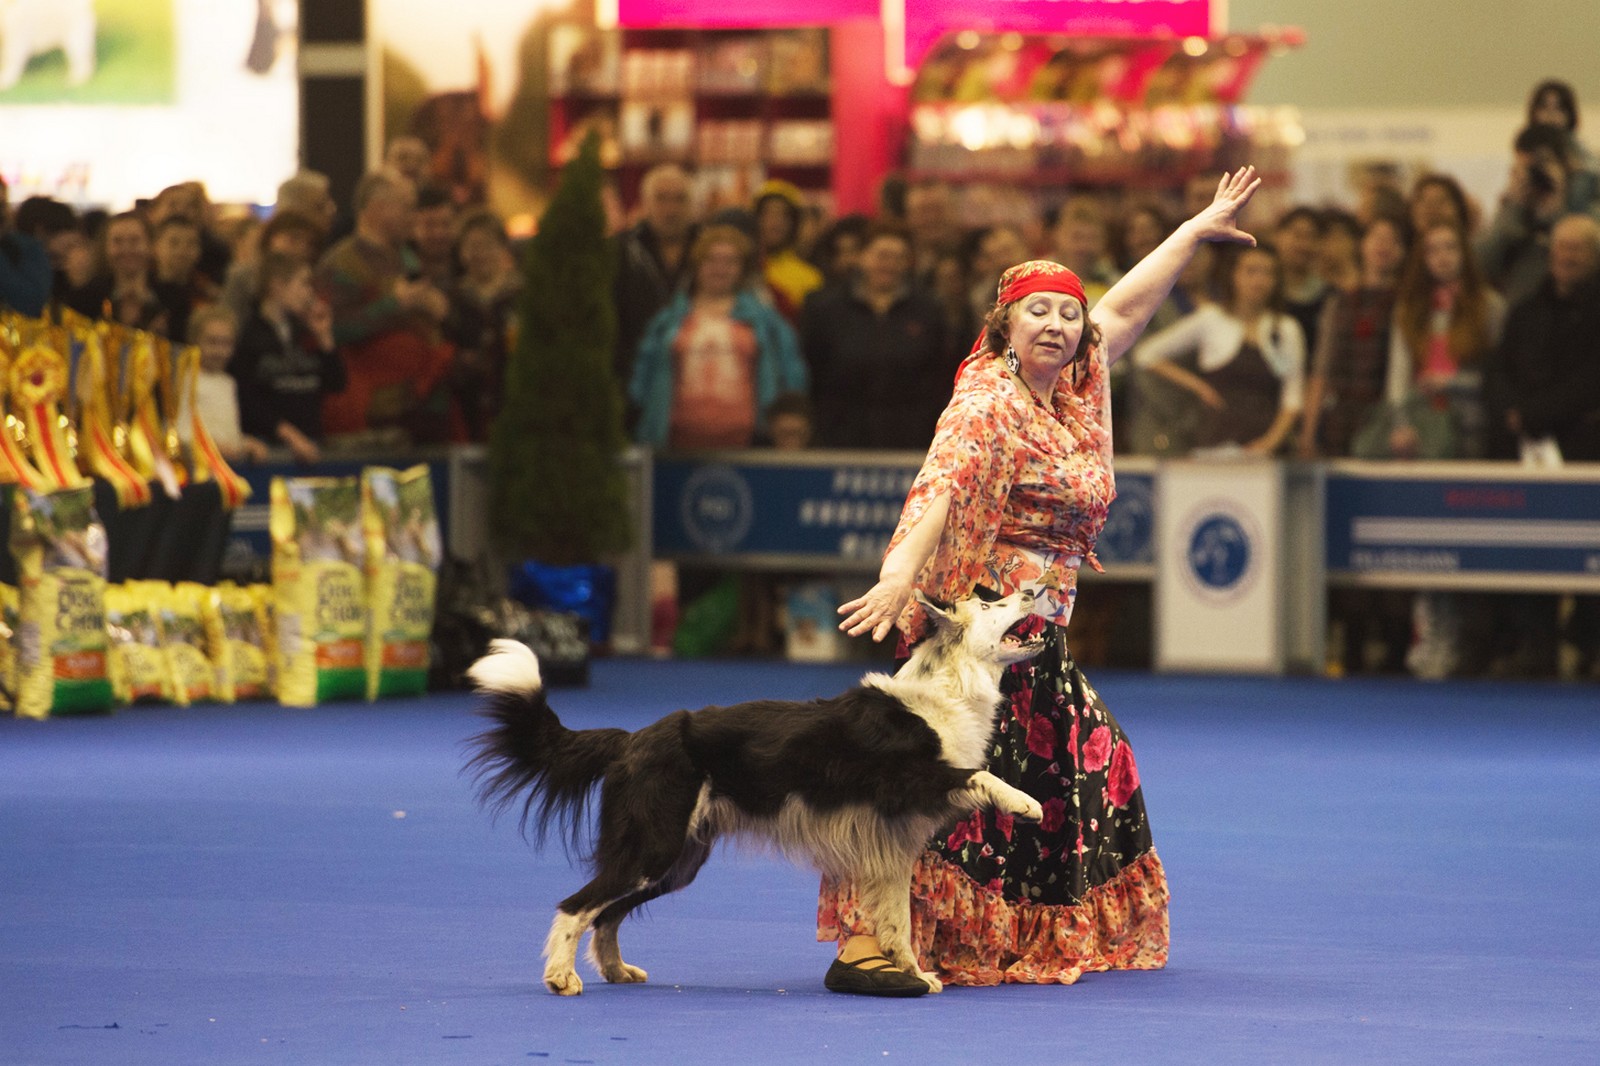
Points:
(433, 235)
(651, 258)
(307, 193)
(385, 320)
(931, 218)
(24, 266)
(881, 369)
(1542, 387)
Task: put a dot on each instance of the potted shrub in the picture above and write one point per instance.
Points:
(558, 494)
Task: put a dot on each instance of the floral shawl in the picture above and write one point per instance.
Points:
(1018, 473)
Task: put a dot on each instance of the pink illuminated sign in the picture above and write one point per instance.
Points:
(719, 14)
(928, 20)
(925, 21)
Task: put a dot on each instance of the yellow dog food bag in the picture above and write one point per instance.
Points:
(185, 643)
(319, 596)
(403, 553)
(62, 647)
(236, 624)
(8, 646)
(139, 671)
(266, 610)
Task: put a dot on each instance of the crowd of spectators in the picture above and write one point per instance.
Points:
(1414, 323)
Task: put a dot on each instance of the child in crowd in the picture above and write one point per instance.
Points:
(214, 331)
(285, 362)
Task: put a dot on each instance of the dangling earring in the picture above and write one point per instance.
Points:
(1013, 364)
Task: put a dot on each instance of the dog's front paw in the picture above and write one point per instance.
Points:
(1031, 810)
(563, 982)
(934, 984)
(623, 974)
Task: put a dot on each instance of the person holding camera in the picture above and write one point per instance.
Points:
(1516, 249)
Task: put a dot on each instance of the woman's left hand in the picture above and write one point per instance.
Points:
(1219, 221)
(876, 610)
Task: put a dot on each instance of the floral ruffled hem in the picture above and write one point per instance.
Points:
(969, 934)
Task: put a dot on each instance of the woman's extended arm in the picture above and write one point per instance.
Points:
(880, 606)
(1123, 312)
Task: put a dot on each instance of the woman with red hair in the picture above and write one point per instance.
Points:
(1012, 496)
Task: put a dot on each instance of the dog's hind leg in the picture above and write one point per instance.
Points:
(603, 949)
(886, 900)
(561, 950)
(644, 837)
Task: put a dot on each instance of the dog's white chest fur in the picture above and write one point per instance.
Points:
(958, 706)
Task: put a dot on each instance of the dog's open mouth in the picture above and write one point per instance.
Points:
(1025, 637)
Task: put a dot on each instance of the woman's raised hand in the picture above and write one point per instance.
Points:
(1219, 221)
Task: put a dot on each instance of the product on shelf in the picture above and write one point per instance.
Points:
(731, 105)
(9, 620)
(403, 557)
(237, 627)
(61, 643)
(318, 591)
(139, 667)
(180, 613)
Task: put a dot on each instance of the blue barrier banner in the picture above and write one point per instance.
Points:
(1466, 524)
(822, 510)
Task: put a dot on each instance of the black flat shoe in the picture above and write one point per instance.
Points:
(872, 976)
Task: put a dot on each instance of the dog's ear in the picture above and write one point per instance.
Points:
(938, 610)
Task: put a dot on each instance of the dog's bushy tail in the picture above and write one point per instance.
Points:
(528, 750)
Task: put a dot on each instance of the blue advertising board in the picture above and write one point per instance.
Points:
(826, 510)
(1465, 526)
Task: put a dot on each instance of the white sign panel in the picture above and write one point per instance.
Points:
(107, 102)
(1219, 602)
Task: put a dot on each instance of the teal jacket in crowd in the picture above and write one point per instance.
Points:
(779, 366)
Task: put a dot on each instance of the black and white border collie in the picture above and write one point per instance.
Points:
(853, 785)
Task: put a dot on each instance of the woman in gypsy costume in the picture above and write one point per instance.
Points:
(1013, 495)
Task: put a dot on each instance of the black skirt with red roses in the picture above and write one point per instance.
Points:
(995, 898)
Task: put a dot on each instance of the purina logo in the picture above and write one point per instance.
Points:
(1129, 532)
(1221, 552)
(716, 508)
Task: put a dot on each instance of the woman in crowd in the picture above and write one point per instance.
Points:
(1554, 104)
(285, 233)
(1349, 369)
(285, 361)
(1339, 253)
(1298, 242)
(1012, 496)
(1344, 391)
(123, 290)
(712, 361)
(1447, 320)
(483, 305)
(838, 249)
(1438, 199)
(1144, 227)
(215, 331)
(1242, 357)
(779, 209)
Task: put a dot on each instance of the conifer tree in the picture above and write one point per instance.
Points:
(557, 493)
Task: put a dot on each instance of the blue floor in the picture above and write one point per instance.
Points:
(1362, 871)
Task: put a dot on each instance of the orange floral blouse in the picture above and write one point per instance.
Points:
(1029, 485)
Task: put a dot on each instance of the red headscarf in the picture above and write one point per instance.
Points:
(1025, 279)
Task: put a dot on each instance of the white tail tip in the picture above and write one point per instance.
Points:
(510, 668)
